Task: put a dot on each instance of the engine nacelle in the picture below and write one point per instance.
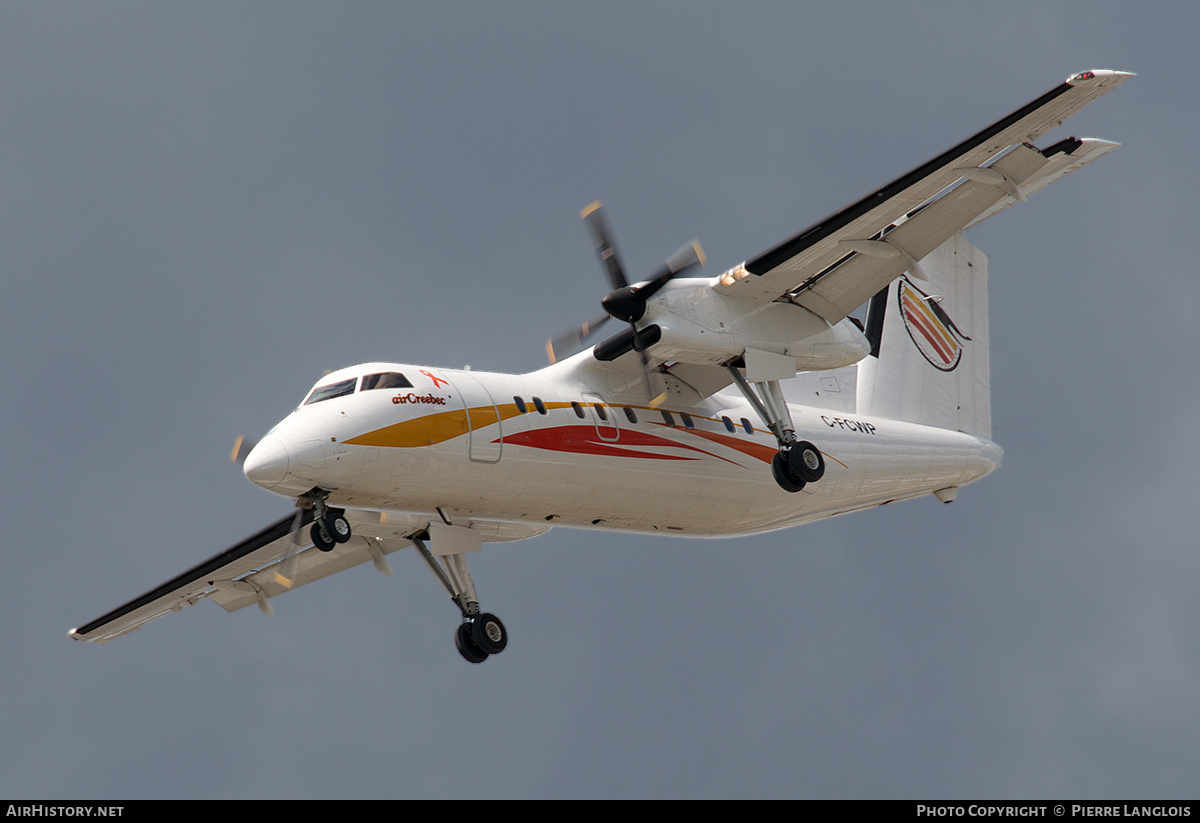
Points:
(696, 324)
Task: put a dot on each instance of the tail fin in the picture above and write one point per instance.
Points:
(929, 340)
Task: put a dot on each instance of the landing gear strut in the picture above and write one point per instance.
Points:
(798, 462)
(480, 635)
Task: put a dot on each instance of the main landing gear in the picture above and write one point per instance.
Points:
(480, 635)
(798, 462)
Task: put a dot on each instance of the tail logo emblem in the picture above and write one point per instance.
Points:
(931, 329)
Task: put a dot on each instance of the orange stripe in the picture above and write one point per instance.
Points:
(935, 324)
(930, 336)
(921, 322)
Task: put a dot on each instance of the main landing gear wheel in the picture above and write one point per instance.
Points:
(784, 476)
(489, 633)
(806, 462)
(466, 644)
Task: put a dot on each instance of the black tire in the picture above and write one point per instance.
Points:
(466, 645)
(338, 528)
(783, 473)
(320, 539)
(489, 633)
(806, 462)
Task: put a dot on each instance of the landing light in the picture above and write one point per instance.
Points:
(735, 274)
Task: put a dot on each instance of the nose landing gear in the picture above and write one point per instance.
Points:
(330, 525)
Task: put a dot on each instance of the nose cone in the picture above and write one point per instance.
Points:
(268, 463)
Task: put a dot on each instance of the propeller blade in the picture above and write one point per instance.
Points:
(241, 448)
(657, 395)
(285, 573)
(573, 340)
(629, 303)
(593, 218)
(686, 258)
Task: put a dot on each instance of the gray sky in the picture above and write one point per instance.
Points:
(206, 205)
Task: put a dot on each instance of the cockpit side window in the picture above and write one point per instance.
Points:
(331, 391)
(385, 380)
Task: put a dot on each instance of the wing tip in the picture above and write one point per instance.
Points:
(1099, 75)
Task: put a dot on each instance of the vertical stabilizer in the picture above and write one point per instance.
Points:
(929, 359)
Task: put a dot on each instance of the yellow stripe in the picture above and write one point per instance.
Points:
(434, 428)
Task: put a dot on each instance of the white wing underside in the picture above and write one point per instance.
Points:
(838, 263)
(252, 571)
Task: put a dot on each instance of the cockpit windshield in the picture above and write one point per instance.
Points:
(342, 387)
(379, 380)
(385, 380)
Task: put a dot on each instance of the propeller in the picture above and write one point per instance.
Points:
(285, 572)
(625, 302)
(241, 447)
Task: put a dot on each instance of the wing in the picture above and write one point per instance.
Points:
(838, 263)
(253, 571)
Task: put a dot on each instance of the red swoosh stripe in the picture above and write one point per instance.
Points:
(747, 447)
(585, 440)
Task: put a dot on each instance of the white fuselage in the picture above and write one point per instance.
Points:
(456, 445)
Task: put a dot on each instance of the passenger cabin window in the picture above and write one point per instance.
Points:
(746, 425)
(539, 405)
(687, 420)
(667, 418)
(728, 424)
(578, 410)
(600, 411)
(331, 391)
(630, 415)
(385, 380)
(521, 407)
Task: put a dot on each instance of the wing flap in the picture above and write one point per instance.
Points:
(818, 250)
(837, 292)
(308, 566)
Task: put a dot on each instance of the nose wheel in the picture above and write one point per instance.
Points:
(330, 530)
(330, 526)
